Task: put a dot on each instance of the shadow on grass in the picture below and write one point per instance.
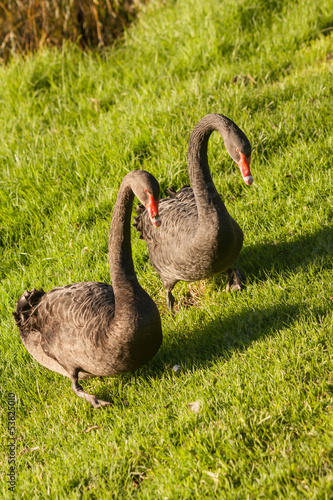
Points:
(219, 338)
(261, 260)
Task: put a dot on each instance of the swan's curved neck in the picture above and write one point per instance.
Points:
(201, 180)
(122, 270)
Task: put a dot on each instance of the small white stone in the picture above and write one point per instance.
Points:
(177, 368)
(194, 406)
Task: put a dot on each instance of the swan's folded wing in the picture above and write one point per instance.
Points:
(179, 212)
(72, 314)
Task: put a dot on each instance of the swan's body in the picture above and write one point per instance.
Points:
(92, 329)
(198, 238)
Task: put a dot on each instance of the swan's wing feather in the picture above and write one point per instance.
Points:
(178, 211)
(74, 313)
(185, 194)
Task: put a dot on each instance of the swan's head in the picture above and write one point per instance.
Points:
(239, 148)
(147, 189)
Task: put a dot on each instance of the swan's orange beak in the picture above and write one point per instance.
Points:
(244, 166)
(152, 208)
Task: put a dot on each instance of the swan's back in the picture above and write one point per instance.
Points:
(86, 307)
(178, 211)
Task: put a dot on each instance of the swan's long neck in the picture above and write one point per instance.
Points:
(201, 180)
(124, 280)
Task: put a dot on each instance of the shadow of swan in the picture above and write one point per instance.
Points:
(263, 259)
(220, 337)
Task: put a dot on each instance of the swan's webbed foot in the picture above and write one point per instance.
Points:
(170, 300)
(235, 280)
(79, 391)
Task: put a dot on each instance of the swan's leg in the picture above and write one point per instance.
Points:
(79, 391)
(235, 280)
(170, 300)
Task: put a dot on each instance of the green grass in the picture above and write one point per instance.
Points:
(260, 361)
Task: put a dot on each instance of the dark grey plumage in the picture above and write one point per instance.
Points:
(198, 237)
(91, 329)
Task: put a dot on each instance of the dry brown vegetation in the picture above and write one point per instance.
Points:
(28, 25)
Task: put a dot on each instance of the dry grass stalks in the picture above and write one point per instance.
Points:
(28, 25)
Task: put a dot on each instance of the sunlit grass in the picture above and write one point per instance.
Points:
(259, 362)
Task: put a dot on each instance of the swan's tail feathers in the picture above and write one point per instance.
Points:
(137, 221)
(26, 305)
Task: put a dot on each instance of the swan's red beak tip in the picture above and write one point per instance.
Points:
(248, 180)
(152, 208)
(244, 166)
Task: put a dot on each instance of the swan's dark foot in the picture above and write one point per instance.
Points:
(235, 280)
(95, 402)
(170, 300)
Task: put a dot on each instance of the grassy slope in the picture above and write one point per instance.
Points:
(259, 362)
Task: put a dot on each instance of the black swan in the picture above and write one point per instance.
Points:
(92, 329)
(198, 238)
